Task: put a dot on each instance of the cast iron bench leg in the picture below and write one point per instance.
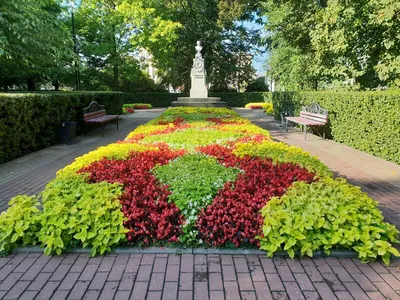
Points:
(102, 129)
(286, 125)
(305, 131)
(117, 124)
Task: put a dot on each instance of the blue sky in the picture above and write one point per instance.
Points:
(258, 60)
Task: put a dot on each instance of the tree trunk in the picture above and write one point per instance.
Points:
(116, 76)
(56, 85)
(31, 84)
(115, 60)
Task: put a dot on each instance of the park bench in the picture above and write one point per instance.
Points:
(96, 114)
(312, 115)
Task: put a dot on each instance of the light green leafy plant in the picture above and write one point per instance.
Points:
(20, 223)
(76, 213)
(325, 215)
(194, 180)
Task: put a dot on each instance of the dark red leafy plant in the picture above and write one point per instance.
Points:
(144, 202)
(234, 214)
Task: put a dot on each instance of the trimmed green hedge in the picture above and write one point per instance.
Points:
(157, 99)
(160, 99)
(29, 122)
(368, 121)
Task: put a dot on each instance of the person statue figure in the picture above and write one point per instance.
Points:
(198, 49)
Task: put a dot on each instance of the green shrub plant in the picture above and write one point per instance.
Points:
(325, 215)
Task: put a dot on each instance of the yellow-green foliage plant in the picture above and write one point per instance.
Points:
(282, 153)
(19, 223)
(245, 128)
(325, 215)
(149, 129)
(111, 151)
(79, 214)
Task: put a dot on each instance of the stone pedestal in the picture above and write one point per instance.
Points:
(199, 102)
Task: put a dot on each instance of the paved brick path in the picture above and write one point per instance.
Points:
(163, 276)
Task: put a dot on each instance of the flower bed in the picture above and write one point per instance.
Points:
(198, 177)
(268, 107)
(130, 108)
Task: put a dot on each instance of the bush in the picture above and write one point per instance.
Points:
(20, 223)
(34, 120)
(368, 121)
(257, 85)
(325, 215)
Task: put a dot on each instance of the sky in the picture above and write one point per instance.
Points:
(258, 60)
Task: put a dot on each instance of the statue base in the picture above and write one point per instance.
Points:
(199, 102)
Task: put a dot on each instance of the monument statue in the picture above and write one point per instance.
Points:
(198, 75)
(198, 92)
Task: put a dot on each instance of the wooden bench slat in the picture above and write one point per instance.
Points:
(103, 119)
(307, 114)
(318, 119)
(95, 113)
(305, 121)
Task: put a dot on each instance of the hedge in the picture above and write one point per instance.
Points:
(368, 121)
(29, 122)
(158, 99)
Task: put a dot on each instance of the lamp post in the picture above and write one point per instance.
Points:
(77, 74)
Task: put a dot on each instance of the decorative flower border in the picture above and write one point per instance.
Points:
(199, 177)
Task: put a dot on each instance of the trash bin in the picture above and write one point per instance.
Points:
(68, 132)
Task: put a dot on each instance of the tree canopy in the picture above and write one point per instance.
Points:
(39, 45)
(323, 42)
(317, 44)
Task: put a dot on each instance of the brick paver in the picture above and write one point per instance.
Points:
(193, 276)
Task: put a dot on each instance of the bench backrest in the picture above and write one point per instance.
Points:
(315, 113)
(314, 117)
(94, 110)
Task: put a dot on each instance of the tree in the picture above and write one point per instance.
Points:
(327, 41)
(225, 43)
(257, 85)
(111, 32)
(289, 24)
(33, 41)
